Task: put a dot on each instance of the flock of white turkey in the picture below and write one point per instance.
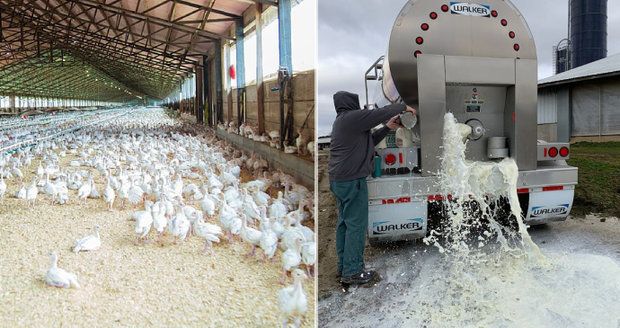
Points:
(179, 181)
(304, 145)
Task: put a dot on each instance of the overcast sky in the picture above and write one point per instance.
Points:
(354, 33)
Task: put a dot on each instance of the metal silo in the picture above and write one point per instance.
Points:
(587, 31)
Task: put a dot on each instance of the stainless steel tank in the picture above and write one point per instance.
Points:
(474, 59)
(444, 31)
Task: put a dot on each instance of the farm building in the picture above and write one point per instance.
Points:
(156, 163)
(582, 104)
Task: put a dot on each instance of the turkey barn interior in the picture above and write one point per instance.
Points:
(157, 163)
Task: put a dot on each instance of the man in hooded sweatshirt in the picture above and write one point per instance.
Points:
(351, 153)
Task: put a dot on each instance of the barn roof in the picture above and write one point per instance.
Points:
(606, 67)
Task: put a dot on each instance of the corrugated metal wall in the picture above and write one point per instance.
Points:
(610, 121)
(585, 114)
(596, 109)
(547, 107)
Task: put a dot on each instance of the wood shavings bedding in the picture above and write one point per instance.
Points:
(124, 285)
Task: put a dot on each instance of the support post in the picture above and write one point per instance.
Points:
(219, 90)
(284, 34)
(260, 87)
(12, 104)
(206, 87)
(229, 86)
(285, 60)
(240, 71)
(181, 108)
(199, 99)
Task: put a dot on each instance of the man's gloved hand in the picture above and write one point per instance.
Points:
(394, 123)
(411, 109)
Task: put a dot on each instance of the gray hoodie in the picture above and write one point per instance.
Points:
(352, 143)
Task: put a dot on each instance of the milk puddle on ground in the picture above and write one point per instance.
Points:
(492, 276)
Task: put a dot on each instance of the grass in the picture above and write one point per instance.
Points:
(598, 190)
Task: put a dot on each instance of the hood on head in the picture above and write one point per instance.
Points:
(344, 101)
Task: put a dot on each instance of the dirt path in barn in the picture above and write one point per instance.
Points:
(123, 284)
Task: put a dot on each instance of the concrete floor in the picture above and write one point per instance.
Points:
(575, 284)
(580, 287)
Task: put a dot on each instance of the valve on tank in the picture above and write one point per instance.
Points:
(477, 129)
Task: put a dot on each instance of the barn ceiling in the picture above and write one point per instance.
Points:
(108, 49)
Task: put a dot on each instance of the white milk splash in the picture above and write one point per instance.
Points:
(475, 190)
(489, 275)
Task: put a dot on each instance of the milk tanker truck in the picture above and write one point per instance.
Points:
(478, 61)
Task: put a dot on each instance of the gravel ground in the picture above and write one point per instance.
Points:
(578, 285)
(123, 284)
(327, 216)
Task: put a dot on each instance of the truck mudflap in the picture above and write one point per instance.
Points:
(403, 218)
(398, 203)
(548, 204)
(407, 218)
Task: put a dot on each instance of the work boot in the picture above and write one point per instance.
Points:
(361, 278)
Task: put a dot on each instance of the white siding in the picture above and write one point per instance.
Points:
(596, 109)
(547, 107)
(610, 111)
(586, 109)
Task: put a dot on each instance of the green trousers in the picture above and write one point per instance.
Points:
(352, 197)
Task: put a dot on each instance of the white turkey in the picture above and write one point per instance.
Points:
(135, 194)
(85, 189)
(230, 220)
(31, 192)
(109, 195)
(249, 206)
(144, 221)
(308, 256)
(278, 209)
(207, 204)
(160, 222)
(291, 258)
(209, 232)
(268, 240)
(250, 235)
(179, 225)
(292, 300)
(88, 243)
(58, 277)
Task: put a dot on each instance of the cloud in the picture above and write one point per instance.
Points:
(354, 33)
